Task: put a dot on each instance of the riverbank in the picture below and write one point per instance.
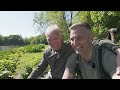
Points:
(18, 62)
(7, 47)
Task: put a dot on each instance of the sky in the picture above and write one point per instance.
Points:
(17, 23)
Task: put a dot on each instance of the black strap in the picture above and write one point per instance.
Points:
(77, 68)
(103, 73)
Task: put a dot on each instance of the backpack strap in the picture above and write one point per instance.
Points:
(77, 68)
(103, 73)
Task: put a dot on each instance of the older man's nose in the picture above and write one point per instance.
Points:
(75, 42)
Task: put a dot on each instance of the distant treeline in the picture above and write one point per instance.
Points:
(18, 40)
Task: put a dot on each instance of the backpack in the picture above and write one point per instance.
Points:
(103, 73)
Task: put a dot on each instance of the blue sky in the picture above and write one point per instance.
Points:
(17, 22)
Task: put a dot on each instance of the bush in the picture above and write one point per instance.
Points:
(8, 65)
(13, 59)
(34, 48)
(5, 74)
(27, 71)
(7, 68)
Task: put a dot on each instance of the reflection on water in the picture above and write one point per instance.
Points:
(6, 47)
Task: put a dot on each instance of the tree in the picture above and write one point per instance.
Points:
(40, 39)
(1, 40)
(101, 21)
(26, 41)
(40, 22)
(62, 18)
(15, 40)
(6, 40)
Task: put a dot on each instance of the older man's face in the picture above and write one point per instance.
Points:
(54, 41)
(80, 41)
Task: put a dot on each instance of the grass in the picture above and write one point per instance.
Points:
(27, 62)
(17, 63)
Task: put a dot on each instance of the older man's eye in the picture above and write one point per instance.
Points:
(71, 39)
(48, 39)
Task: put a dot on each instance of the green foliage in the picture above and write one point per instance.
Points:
(15, 40)
(19, 60)
(40, 21)
(33, 48)
(5, 74)
(119, 42)
(26, 63)
(11, 40)
(27, 41)
(101, 21)
(18, 40)
(62, 18)
(28, 70)
(1, 40)
(3, 54)
(9, 65)
(7, 68)
(41, 39)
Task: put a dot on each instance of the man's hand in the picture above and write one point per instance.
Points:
(118, 62)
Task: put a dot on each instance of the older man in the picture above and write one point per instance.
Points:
(55, 55)
(93, 62)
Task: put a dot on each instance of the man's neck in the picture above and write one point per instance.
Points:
(88, 55)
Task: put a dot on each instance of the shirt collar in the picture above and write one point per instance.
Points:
(93, 55)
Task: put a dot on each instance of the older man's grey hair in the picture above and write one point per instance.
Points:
(53, 29)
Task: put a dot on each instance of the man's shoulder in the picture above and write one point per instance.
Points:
(48, 50)
(108, 52)
(108, 60)
(108, 44)
(102, 42)
(108, 57)
(73, 56)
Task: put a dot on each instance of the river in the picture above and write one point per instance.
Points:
(6, 47)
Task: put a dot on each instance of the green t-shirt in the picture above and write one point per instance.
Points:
(88, 72)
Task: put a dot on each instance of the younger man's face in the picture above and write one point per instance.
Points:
(80, 40)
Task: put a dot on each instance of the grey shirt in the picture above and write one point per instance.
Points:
(88, 72)
(55, 59)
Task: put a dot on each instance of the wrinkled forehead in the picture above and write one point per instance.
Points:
(53, 33)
